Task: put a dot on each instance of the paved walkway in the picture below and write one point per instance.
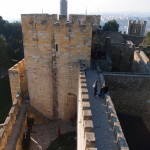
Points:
(104, 135)
(46, 133)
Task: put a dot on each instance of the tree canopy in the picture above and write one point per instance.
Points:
(146, 40)
(4, 60)
(111, 25)
(12, 34)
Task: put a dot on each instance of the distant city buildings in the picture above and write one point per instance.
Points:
(63, 7)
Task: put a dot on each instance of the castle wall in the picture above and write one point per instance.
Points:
(18, 81)
(141, 63)
(130, 94)
(85, 128)
(6, 128)
(52, 49)
(137, 40)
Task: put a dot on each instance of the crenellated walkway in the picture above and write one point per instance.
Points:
(105, 139)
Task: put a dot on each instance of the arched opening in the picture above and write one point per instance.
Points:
(71, 106)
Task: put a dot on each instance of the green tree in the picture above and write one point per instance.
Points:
(111, 25)
(12, 32)
(4, 60)
(146, 40)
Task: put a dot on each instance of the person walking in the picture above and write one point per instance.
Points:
(95, 87)
(103, 91)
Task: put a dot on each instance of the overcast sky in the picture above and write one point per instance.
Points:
(12, 9)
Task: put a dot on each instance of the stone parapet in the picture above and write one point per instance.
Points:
(18, 81)
(52, 20)
(114, 121)
(141, 63)
(86, 135)
(7, 127)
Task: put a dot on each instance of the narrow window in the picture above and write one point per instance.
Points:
(56, 47)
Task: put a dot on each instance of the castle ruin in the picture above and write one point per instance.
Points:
(136, 28)
(51, 82)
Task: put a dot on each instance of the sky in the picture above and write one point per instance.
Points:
(12, 9)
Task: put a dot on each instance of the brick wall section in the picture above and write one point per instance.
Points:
(114, 121)
(130, 94)
(18, 81)
(52, 51)
(85, 130)
(7, 127)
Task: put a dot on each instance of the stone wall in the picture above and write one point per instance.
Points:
(85, 129)
(135, 39)
(7, 127)
(141, 63)
(52, 50)
(113, 119)
(130, 94)
(18, 81)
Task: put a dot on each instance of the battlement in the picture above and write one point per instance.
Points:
(137, 22)
(36, 20)
(114, 121)
(7, 127)
(86, 135)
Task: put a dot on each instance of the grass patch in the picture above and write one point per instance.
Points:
(66, 141)
(5, 98)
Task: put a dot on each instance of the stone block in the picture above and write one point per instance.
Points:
(2, 130)
(122, 144)
(85, 97)
(90, 140)
(83, 85)
(85, 105)
(118, 132)
(88, 126)
(87, 115)
(84, 90)
(11, 110)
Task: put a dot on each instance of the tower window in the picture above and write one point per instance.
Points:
(56, 47)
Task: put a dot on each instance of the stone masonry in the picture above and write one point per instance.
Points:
(52, 50)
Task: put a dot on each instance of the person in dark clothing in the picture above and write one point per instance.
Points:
(95, 87)
(84, 68)
(103, 91)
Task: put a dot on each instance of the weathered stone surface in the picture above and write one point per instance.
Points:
(52, 52)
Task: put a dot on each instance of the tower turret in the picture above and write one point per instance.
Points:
(63, 7)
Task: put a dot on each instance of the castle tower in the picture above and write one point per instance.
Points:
(63, 7)
(143, 27)
(136, 28)
(52, 51)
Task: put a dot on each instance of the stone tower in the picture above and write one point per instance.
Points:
(63, 7)
(52, 51)
(136, 28)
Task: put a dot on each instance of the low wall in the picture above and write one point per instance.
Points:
(18, 81)
(130, 94)
(114, 121)
(19, 91)
(7, 127)
(85, 129)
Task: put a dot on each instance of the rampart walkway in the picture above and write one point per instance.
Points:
(12, 140)
(105, 139)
